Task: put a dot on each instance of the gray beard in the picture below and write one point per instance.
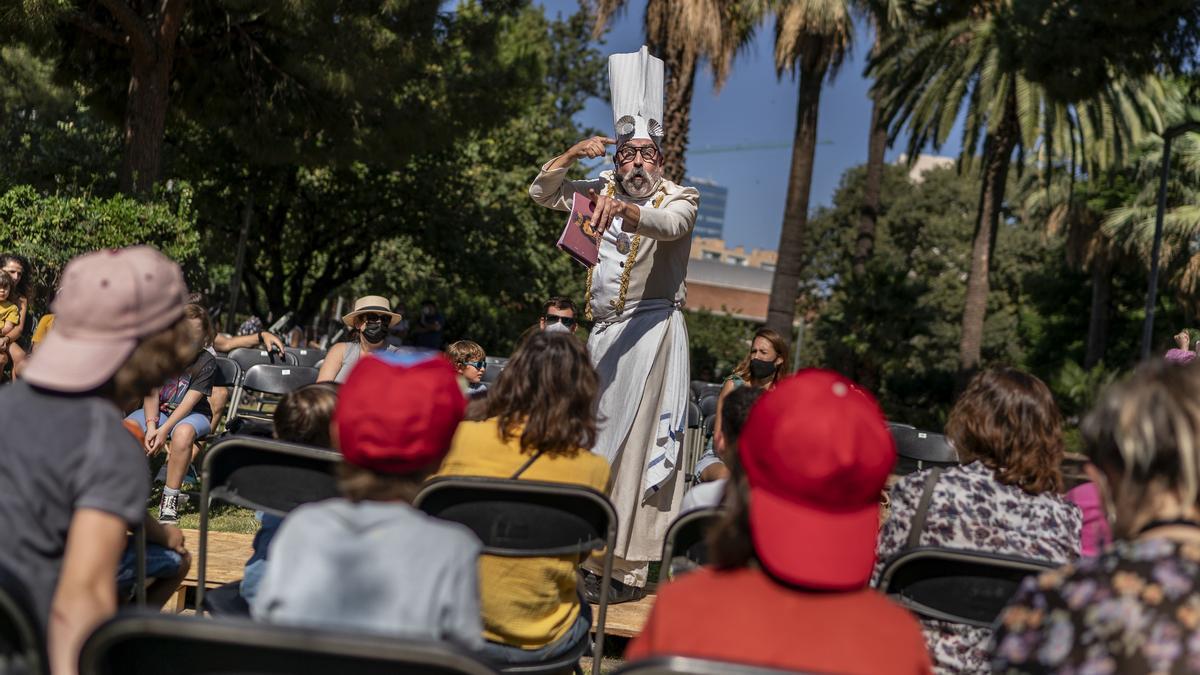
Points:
(649, 185)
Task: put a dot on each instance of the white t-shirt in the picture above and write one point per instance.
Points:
(704, 495)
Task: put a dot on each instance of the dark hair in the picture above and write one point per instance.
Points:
(303, 415)
(22, 288)
(156, 358)
(1007, 419)
(778, 344)
(730, 544)
(1145, 430)
(734, 411)
(559, 302)
(7, 283)
(197, 298)
(550, 387)
(194, 311)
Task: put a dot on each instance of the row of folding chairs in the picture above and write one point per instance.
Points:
(264, 377)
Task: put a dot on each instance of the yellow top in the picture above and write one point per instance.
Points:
(43, 327)
(9, 314)
(526, 602)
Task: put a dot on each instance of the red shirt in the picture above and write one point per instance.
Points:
(744, 616)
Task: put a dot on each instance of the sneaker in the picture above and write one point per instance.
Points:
(170, 507)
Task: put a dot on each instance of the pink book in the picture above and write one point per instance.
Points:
(578, 238)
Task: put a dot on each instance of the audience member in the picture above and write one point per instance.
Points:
(559, 310)
(74, 481)
(793, 551)
(762, 368)
(302, 416)
(733, 418)
(427, 330)
(398, 333)
(1182, 352)
(1003, 498)
(1136, 607)
(470, 362)
(178, 414)
(370, 562)
(17, 269)
(368, 325)
(541, 422)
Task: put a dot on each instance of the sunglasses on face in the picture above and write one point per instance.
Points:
(649, 153)
(478, 365)
(374, 318)
(564, 320)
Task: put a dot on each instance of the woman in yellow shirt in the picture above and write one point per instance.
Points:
(542, 413)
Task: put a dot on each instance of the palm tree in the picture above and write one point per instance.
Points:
(682, 32)
(927, 78)
(811, 40)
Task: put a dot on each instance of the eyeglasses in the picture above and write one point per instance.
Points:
(564, 320)
(649, 153)
(372, 318)
(478, 365)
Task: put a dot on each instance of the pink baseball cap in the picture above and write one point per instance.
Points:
(817, 452)
(107, 302)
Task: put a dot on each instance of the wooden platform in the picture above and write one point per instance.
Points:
(627, 618)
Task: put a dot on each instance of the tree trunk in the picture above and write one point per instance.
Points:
(1097, 336)
(785, 287)
(677, 113)
(872, 186)
(997, 158)
(152, 56)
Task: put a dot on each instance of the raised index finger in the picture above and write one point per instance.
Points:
(606, 140)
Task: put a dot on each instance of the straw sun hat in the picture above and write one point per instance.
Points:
(371, 304)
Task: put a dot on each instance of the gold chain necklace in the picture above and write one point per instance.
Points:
(618, 305)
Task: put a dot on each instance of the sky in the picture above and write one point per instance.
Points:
(755, 108)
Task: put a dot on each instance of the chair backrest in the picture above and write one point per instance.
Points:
(917, 449)
(247, 358)
(278, 380)
(306, 356)
(495, 366)
(695, 418)
(268, 475)
(228, 372)
(145, 644)
(708, 405)
(684, 547)
(684, 665)
(22, 647)
(522, 518)
(709, 426)
(967, 587)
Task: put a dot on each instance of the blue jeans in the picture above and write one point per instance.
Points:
(199, 422)
(256, 566)
(161, 563)
(502, 654)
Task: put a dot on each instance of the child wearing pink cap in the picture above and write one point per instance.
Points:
(370, 562)
(794, 550)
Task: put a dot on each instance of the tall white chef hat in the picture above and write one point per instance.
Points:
(636, 83)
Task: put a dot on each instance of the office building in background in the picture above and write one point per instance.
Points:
(710, 221)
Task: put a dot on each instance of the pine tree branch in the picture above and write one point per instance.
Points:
(135, 28)
(86, 23)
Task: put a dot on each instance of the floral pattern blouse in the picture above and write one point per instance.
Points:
(970, 510)
(1133, 609)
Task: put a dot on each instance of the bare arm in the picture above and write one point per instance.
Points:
(157, 440)
(725, 389)
(228, 343)
(15, 333)
(86, 592)
(333, 363)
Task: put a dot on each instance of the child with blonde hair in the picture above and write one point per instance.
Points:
(470, 362)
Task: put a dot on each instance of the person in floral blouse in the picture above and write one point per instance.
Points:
(1003, 498)
(1136, 607)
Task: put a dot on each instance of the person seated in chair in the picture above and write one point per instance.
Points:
(541, 420)
(370, 562)
(793, 550)
(734, 412)
(1004, 498)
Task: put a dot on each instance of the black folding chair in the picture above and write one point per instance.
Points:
(693, 440)
(967, 587)
(917, 450)
(306, 356)
(269, 381)
(229, 373)
(22, 645)
(684, 665)
(248, 358)
(495, 366)
(149, 644)
(708, 405)
(684, 547)
(523, 519)
(264, 475)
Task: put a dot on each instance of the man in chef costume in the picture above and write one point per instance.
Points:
(635, 296)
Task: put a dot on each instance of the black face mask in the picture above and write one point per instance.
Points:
(374, 332)
(761, 370)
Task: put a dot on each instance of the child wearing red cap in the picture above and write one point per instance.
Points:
(794, 550)
(370, 561)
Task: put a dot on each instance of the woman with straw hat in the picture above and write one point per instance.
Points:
(368, 324)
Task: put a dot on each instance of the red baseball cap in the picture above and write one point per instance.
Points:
(397, 411)
(108, 301)
(817, 452)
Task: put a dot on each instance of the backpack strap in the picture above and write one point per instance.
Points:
(526, 465)
(918, 522)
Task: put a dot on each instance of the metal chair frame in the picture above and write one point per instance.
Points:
(235, 405)
(306, 356)
(677, 527)
(686, 665)
(500, 487)
(215, 486)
